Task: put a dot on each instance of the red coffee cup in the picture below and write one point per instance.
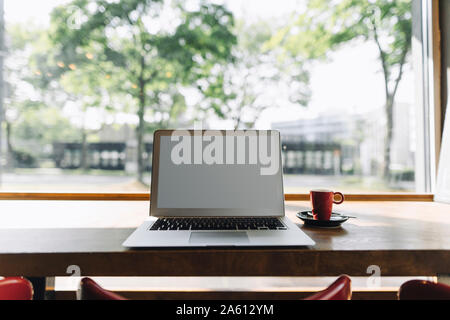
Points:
(322, 203)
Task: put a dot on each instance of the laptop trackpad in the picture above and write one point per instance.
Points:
(219, 237)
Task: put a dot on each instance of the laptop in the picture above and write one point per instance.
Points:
(217, 189)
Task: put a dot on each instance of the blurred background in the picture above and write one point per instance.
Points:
(85, 84)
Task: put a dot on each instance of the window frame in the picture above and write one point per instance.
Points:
(426, 56)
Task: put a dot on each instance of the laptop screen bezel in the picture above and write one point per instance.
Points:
(203, 212)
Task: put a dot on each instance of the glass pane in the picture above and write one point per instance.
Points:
(86, 83)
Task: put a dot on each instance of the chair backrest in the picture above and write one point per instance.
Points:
(16, 288)
(90, 290)
(341, 289)
(424, 290)
(338, 290)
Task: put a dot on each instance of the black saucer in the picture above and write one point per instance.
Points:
(336, 220)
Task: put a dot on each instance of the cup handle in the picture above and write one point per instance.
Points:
(340, 201)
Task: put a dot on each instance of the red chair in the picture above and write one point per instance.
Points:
(16, 288)
(341, 289)
(90, 290)
(424, 290)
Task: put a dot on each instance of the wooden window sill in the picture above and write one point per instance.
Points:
(146, 196)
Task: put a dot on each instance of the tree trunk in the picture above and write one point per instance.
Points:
(237, 123)
(84, 163)
(9, 147)
(388, 138)
(140, 130)
(140, 138)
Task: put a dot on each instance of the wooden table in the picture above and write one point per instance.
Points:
(402, 238)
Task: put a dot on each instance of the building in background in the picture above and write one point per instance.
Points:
(359, 137)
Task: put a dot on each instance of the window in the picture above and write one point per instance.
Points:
(85, 84)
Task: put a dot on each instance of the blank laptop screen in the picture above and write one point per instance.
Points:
(221, 172)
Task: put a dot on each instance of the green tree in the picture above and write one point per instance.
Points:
(38, 127)
(240, 91)
(32, 118)
(151, 46)
(328, 24)
(89, 87)
(19, 40)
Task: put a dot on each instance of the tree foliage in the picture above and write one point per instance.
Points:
(147, 49)
(328, 24)
(242, 90)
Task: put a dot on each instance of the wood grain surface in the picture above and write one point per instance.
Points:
(402, 238)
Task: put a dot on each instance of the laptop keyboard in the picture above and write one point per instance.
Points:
(202, 223)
